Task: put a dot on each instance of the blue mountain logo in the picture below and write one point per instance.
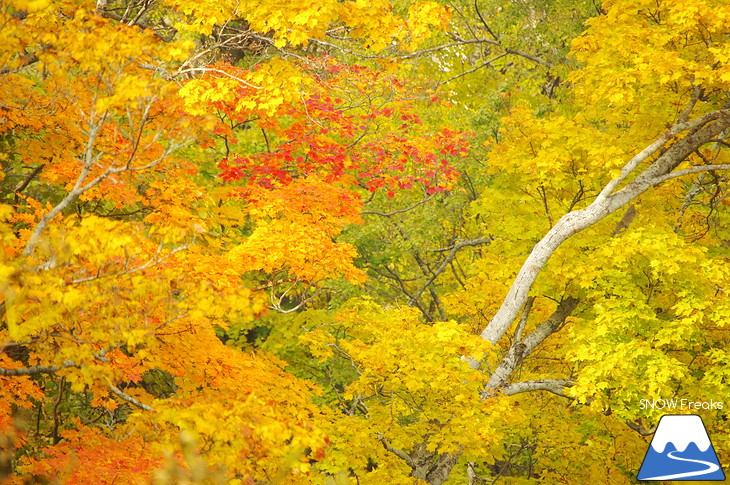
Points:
(681, 450)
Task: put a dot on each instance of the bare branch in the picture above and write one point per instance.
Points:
(484, 22)
(152, 261)
(219, 71)
(445, 263)
(126, 397)
(702, 130)
(89, 159)
(399, 453)
(27, 180)
(652, 149)
(25, 61)
(101, 6)
(344, 50)
(551, 325)
(640, 429)
(523, 320)
(345, 355)
(556, 386)
(79, 187)
(484, 64)
(625, 221)
(684, 115)
(521, 349)
(399, 211)
(527, 56)
(697, 169)
(35, 370)
(460, 42)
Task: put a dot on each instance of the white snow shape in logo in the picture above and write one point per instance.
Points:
(681, 430)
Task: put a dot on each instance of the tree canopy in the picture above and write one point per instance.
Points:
(347, 242)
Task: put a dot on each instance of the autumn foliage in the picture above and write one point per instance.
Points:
(358, 242)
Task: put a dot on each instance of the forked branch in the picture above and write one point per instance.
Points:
(700, 131)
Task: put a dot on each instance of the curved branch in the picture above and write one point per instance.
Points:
(458, 43)
(484, 22)
(652, 148)
(89, 160)
(26, 181)
(697, 169)
(527, 56)
(221, 72)
(701, 131)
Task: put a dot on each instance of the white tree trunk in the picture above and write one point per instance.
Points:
(701, 131)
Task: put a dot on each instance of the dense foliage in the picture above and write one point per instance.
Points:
(343, 242)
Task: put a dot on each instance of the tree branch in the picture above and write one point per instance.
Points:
(691, 170)
(399, 211)
(445, 263)
(154, 260)
(484, 22)
(459, 42)
(40, 369)
(24, 184)
(399, 453)
(80, 187)
(640, 429)
(121, 394)
(35, 370)
(523, 320)
(483, 64)
(653, 147)
(221, 72)
(551, 325)
(701, 130)
(521, 349)
(625, 221)
(527, 56)
(89, 159)
(556, 386)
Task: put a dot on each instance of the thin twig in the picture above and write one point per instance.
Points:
(399, 211)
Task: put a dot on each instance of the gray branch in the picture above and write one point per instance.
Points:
(521, 349)
(556, 386)
(445, 263)
(43, 369)
(702, 130)
(126, 397)
(691, 170)
(399, 453)
(640, 429)
(78, 189)
(35, 370)
(399, 211)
